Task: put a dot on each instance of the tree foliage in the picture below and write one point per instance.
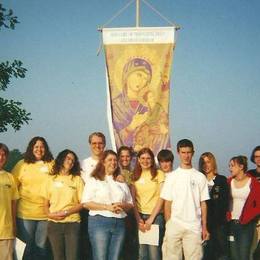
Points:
(7, 19)
(9, 70)
(14, 156)
(11, 112)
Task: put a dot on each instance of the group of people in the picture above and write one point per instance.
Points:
(100, 208)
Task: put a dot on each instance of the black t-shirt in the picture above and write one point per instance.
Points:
(254, 173)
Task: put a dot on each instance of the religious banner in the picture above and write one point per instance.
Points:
(138, 63)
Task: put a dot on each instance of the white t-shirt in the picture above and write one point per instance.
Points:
(106, 192)
(87, 166)
(186, 188)
(211, 183)
(239, 197)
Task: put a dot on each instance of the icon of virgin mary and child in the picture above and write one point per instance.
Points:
(134, 110)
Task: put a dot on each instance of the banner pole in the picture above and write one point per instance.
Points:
(137, 20)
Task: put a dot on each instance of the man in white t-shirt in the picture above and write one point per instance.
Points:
(185, 192)
(97, 142)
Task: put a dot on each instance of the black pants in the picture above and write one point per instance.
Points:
(85, 251)
(130, 250)
(217, 246)
(64, 240)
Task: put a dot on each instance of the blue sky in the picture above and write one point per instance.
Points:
(215, 86)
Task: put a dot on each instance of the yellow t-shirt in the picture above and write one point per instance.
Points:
(63, 193)
(8, 193)
(148, 191)
(29, 178)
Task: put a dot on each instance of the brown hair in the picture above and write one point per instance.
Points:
(252, 157)
(5, 149)
(125, 148)
(165, 155)
(240, 160)
(99, 172)
(212, 159)
(29, 156)
(185, 143)
(99, 134)
(138, 169)
(58, 163)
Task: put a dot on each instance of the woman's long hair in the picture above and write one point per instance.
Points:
(138, 169)
(59, 161)
(29, 156)
(99, 172)
(212, 159)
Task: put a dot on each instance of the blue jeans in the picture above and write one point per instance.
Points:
(34, 234)
(106, 236)
(150, 252)
(240, 239)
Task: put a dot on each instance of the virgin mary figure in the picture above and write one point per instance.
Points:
(129, 108)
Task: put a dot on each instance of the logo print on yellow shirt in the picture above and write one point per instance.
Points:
(141, 181)
(44, 169)
(58, 184)
(6, 185)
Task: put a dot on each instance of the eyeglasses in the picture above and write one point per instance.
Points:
(97, 143)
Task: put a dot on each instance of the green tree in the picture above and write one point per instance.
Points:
(14, 156)
(11, 112)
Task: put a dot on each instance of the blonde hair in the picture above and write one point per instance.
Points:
(212, 159)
